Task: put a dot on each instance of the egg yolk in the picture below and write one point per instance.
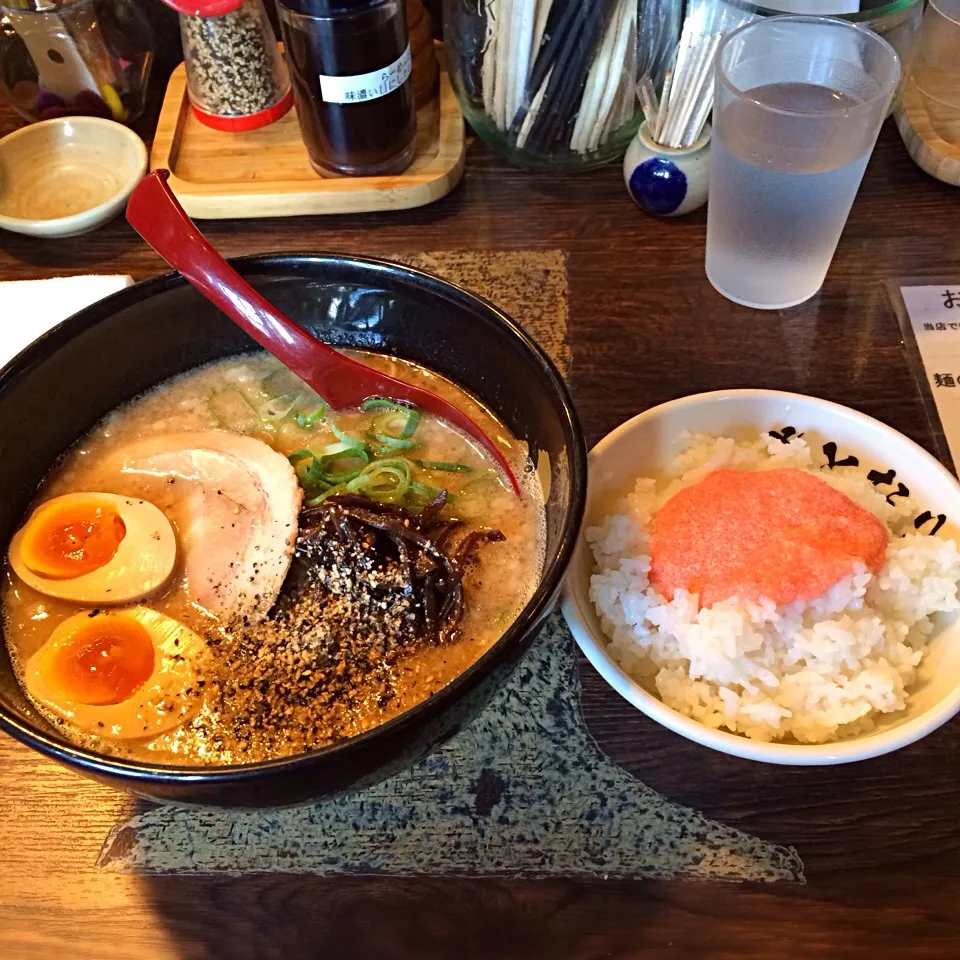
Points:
(105, 662)
(68, 540)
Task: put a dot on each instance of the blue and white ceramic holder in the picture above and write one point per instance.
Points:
(664, 181)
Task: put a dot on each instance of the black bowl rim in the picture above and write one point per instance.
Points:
(535, 609)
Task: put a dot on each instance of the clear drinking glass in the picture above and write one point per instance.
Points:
(798, 105)
(937, 68)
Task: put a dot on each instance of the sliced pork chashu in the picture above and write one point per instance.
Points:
(235, 502)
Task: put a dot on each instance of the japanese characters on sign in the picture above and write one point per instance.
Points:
(362, 87)
(934, 313)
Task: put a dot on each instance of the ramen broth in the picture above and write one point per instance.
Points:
(229, 395)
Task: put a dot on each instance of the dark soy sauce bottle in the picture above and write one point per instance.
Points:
(350, 68)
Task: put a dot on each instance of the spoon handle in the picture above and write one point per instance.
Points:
(155, 213)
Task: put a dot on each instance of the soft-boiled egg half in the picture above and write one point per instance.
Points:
(118, 673)
(96, 548)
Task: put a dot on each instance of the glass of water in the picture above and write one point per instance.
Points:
(798, 105)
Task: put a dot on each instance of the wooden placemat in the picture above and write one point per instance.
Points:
(528, 285)
(523, 791)
(266, 172)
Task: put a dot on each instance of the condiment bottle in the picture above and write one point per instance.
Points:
(236, 77)
(350, 66)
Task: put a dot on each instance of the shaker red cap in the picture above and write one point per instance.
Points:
(204, 8)
(247, 121)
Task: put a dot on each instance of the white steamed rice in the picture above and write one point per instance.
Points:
(812, 672)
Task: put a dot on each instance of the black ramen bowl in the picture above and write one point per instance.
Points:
(60, 386)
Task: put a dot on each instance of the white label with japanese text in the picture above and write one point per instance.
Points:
(367, 86)
(934, 313)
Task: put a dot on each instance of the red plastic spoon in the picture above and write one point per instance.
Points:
(155, 214)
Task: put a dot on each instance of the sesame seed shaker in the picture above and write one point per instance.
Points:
(236, 75)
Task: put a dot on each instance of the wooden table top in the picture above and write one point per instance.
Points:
(879, 840)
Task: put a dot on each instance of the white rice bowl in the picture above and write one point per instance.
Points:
(752, 678)
(814, 671)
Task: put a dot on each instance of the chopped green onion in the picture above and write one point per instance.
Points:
(358, 482)
(336, 449)
(383, 403)
(329, 454)
(380, 480)
(233, 411)
(383, 479)
(413, 421)
(310, 475)
(398, 424)
(307, 420)
(332, 491)
(281, 382)
(446, 465)
(325, 471)
(392, 443)
(346, 438)
(315, 477)
(380, 450)
(330, 475)
(278, 407)
(374, 469)
(341, 477)
(390, 431)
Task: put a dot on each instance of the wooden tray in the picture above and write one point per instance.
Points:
(266, 173)
(929, 150)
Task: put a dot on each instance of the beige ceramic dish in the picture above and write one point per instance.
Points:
(64, 177)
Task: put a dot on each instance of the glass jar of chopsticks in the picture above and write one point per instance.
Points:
(549, 83)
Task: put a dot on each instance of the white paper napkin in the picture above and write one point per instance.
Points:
(29, 308)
